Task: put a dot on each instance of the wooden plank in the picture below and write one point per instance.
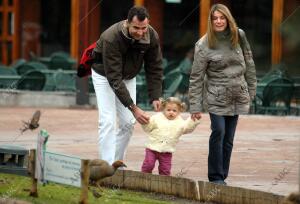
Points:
(154, 183)
(142, 181)
(32, 158)
(185, 188)
(210, 192)
(165, 184)
(201, 188)
(85, 175)
(117, 180)
(137, 180)
(276, 36)
(161, 184)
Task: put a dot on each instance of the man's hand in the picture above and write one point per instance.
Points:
(196, 116)
(140, 115)
(156, 105)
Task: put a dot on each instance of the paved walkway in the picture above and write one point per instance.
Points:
(265, 154)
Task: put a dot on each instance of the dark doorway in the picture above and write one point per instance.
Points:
(255, 18)
(181, 28)
(56, 18)
(114, 11)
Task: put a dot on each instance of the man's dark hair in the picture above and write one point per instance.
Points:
(139, 11)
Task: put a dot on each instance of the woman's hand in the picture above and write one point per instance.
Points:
(196, 116)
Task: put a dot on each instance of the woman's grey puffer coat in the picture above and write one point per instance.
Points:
(230, 76)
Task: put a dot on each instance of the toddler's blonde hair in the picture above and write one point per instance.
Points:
(174, 100)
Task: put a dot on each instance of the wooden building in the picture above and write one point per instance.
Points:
(41, 27)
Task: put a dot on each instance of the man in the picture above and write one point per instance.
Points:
(119, 54)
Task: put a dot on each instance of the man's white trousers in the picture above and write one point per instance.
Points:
(116, 122)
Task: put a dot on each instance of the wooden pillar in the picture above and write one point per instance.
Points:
(204, 12)
(85, 25)
(74, 28)
(85, 29)
(10, 31)
(85, 175)
(156, 12)
(139, 2)
(4, 32)
(16, 35)
(32, 160)
(276, 37)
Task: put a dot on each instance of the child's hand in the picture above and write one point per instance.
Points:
(196, 116)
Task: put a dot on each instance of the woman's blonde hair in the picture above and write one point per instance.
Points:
(211, 36)
(173, 100)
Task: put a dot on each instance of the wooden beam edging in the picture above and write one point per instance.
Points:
(235, 195)
(134, 180)
(190, 189)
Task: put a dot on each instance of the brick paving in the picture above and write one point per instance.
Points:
(265, 155)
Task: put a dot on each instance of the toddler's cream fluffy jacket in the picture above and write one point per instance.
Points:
(164, 133)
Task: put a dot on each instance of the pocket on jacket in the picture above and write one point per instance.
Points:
(243, 96)
(216, 95)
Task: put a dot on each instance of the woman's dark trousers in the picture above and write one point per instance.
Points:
(220, 146)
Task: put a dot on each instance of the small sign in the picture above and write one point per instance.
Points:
(62, 169)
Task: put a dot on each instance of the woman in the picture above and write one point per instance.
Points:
(224, 57)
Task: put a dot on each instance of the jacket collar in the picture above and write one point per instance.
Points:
(124, 30)
(223, 35)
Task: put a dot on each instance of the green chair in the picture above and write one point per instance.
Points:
(185, 67)
(64, 81)
(171, 83)
(61, 61)
(17, 64)
(32, 80)
(9, 82)
(171, 66)
(60, 54)
(7, 71)
(50, 84)
(30, 66)
(274, 97)
(8, 78)
(164, 63)
(142, 98)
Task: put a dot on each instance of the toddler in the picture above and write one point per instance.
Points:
(164, 130)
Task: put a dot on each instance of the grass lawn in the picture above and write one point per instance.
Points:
(18, 187)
